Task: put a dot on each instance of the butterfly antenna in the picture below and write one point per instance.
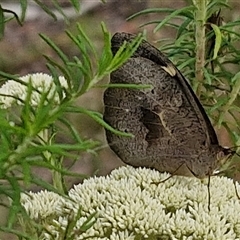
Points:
(234, 151)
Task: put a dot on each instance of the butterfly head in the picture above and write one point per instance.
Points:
(211, 161)
(224, 156)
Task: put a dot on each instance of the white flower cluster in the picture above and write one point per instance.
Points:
(13, 92)
(130, 205)
(41, 205)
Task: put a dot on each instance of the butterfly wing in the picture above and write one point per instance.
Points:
(170, 126)
(148, 51)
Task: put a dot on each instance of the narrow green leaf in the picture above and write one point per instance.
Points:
(72, 129)
(151, 10)
(190, 61)
(86, 40)
(46, 9)
(53, 64)
(59, 8)
(124, 52)
(99, 119)
(23, 4)
(107, 56)
(179, 12)
(55, 48)
(45, 185)
(218, 40)
(89, 222)
(183, 27)
(76, 4)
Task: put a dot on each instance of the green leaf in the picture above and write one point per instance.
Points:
(24, 5)
(124, 52)
(151, 10)
(179, 12)
(76, 4)
(107, 56)
(46, 9)
(59, 52)
(218, 40)
(60, 9)
(99, 119)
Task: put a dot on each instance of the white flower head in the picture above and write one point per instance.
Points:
(42, 204)
(128, 205)
(13, 92)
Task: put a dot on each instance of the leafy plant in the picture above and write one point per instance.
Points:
(24, 5)
(29, 130)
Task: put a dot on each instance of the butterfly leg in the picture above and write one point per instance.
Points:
(172, 174)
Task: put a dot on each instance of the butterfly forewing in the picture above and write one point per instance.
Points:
(170, 126)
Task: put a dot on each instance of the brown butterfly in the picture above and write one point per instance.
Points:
(171, 130)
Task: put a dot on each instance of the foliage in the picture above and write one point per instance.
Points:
(28, 133)
(24, 5)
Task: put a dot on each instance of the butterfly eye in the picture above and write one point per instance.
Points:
(223, 160)
(224, 155)
(220, 155)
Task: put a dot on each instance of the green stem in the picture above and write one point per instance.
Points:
(15, 156)
(56, 175)
(200, 38)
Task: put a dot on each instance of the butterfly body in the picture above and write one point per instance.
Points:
(171, 130)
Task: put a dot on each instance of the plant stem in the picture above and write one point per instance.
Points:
(200, 43)
(56, 175)
(16, 155)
